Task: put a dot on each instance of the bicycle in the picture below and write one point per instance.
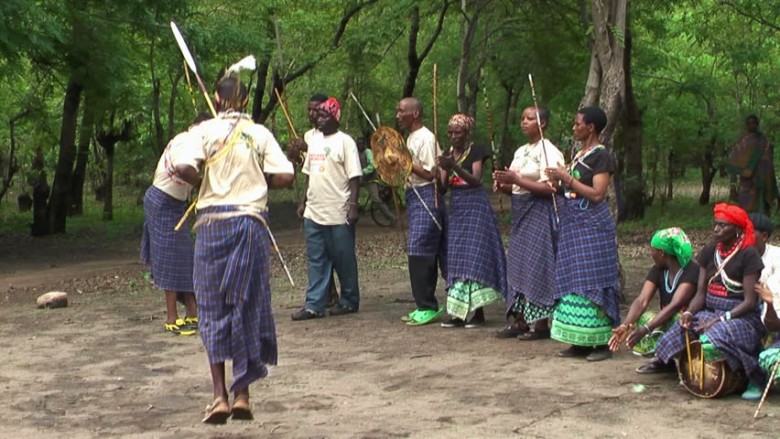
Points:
(377, 214)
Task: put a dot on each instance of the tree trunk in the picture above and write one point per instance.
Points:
(82, 157)
(606, 75)
(670, 165)
(108, 140)
(172, 103)
(708, 170)
(414, 59)
(108, 185)
(507, 143)
(159, 134)
(12, 165)
(634, 182)
(60, 193)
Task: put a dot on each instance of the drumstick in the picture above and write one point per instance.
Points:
(766, 389)
(701, 370)
(688, 348)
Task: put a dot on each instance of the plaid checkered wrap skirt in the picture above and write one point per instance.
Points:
(425, 239)
(168, 253)
(474, 247)
(232, 288)
(531, 254)
(587, 258)
(739, 339)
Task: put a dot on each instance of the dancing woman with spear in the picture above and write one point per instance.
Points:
(533, 238)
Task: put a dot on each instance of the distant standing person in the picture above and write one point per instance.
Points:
(426, 246)
(240, 161)
(329, 211)
(168, 252)
(752, 162)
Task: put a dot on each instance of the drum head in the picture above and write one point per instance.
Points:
(711, 379)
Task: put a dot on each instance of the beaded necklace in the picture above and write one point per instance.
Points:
(670, 288)
(454, 178)
(737, 244)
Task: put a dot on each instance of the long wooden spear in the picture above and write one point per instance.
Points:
(436, 133)
(492, 136)
(191, 63)
(544, 149)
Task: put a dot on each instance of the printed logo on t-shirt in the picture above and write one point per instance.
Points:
(317, 160)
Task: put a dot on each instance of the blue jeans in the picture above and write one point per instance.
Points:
(328, 248)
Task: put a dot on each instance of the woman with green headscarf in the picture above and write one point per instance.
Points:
(674, 275)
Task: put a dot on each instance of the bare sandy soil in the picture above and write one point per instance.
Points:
(104, 368)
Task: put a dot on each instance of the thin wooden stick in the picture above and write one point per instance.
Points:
(189, 87)
(688, 349)
(436, 133)
(492, 135)
(766, 389)
(544, 149)
(286, 114)
(701, 368)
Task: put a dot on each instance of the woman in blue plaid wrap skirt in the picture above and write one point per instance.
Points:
(476, 264)
(586, 275)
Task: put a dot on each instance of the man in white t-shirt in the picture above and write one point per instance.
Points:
(426, 246)
(240, 161)
(296, 152)
(329, 210)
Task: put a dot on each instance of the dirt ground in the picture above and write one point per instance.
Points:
(103, 367)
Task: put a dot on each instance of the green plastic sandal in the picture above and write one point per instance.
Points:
(410, 317)
(424, 317)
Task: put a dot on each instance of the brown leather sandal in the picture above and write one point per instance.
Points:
(218, 412)
(242, 410)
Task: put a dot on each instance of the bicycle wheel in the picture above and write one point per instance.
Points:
(379, 217)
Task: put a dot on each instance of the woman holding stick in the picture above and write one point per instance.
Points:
(586, 273)
(476, 265)
(724, 314)
(533, 239)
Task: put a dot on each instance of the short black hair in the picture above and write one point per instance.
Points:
(762, 223)
(544, 113)
(594, 115)
(318, 97)
(232, 92)
(751, 116)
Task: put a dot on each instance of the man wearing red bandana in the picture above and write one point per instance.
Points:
(329, 210)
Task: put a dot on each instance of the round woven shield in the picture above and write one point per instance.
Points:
(391, 156)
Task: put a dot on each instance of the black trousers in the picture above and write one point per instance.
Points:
(424, 274)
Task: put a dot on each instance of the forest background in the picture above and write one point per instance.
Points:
(91, 91)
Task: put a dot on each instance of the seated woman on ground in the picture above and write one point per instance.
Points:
(724, 314)
(674, 275)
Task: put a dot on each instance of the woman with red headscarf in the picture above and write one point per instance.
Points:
(725, 314)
